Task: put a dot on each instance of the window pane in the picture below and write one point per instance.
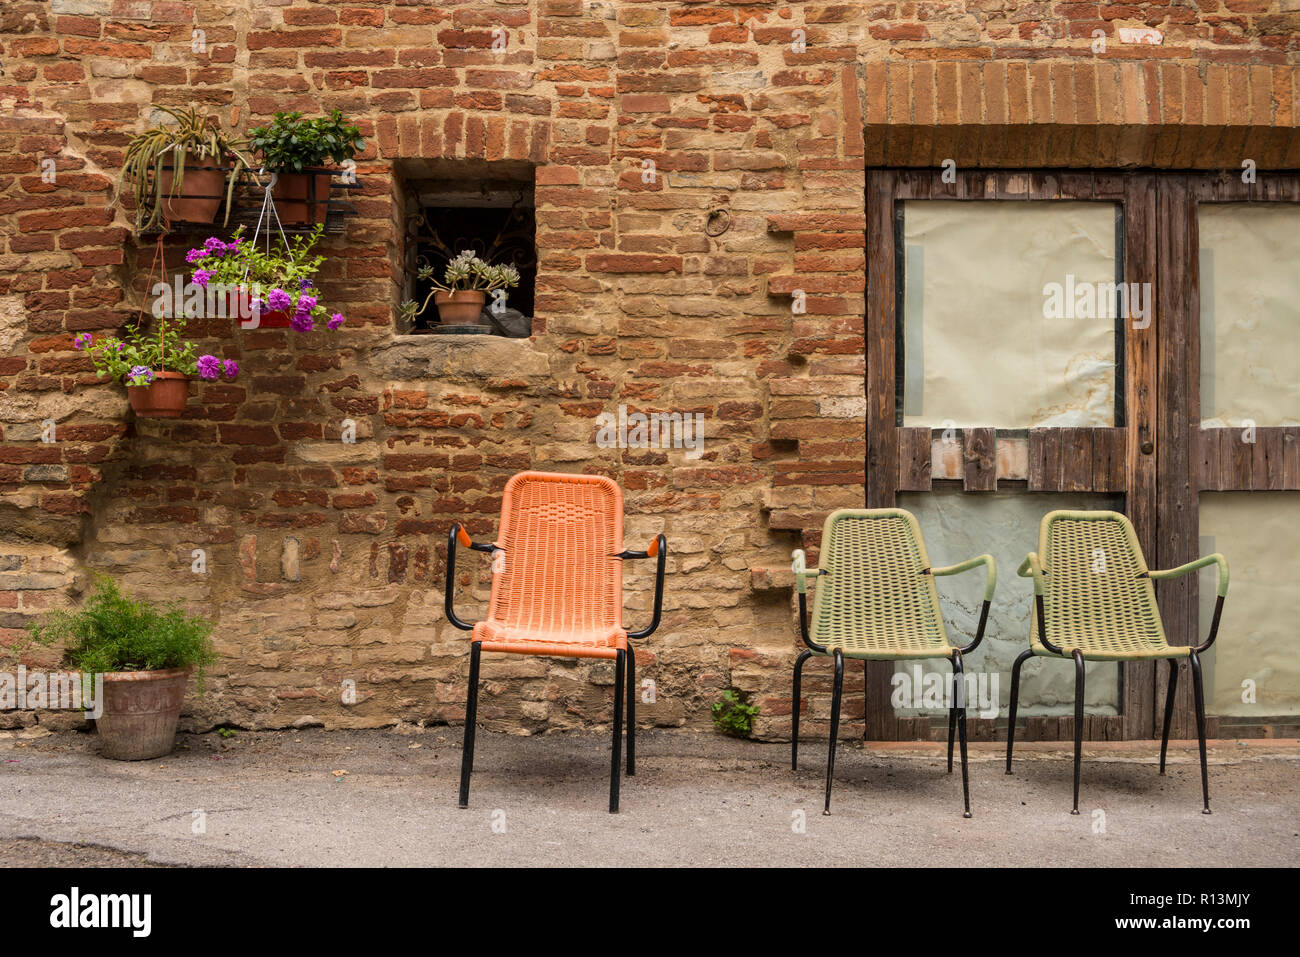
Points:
(1004, 524)
(1009, 314)
(1250, 317)
(1255, 655)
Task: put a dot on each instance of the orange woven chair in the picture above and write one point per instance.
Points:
(557, 589)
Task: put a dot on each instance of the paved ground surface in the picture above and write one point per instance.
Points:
(279, 799)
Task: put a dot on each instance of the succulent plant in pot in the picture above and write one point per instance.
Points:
(464, 289)
(145, 653)
(155, 366)
(296, 150)
(178, 171)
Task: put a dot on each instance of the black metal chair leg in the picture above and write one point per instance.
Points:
(952, 728)
(1078, 723)
(1169, 710)
(794, 710)
(959, 706)
(1015, 703)
(1199, 693)
(615, 758)
(631, 712)
(835, 725)
(619, 665)
(471, 716)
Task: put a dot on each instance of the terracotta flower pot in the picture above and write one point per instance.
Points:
(141, 709)
(462, 307)
(294, 200)
(200, 195)
(164, 398)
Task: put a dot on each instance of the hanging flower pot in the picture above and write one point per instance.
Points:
(273, 319)
(154, 393)
(162, 396)
(272, 279)
(245, 307)
(460, 307)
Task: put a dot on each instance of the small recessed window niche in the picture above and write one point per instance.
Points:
(453, 207)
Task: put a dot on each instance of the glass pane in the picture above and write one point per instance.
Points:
(1009, 313)
(958, 526)
(1250, 314)
(1253, 668)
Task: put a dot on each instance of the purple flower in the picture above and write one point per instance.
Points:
(83, 341)
(139, 375)
(201, 276)
(209, 367)
(306, 303)
(278, 300)
(301, 322)
(194, 255)
(304, 284)
(121, 346)
(336, 320)
(230, 368)
(212, 244)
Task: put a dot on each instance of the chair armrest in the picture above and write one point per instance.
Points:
(658, 548)
(1030, 566)
(458, 535)
(990, 582)
(799, 566)
(1215, 559)
(990, 572)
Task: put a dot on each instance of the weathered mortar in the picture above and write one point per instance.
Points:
(635, 303)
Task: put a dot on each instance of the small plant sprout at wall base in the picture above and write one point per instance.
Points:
(734, 715)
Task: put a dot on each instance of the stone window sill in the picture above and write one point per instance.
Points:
(409, 357)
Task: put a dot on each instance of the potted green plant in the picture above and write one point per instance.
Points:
(178, 171)
(296, 149)
(145, 653)
(156, 367)
(464, 288)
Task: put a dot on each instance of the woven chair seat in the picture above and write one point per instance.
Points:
(1098, 595)
(560, 590)
(567, 642)
(876, 598)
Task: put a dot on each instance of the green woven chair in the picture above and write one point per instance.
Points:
(876, 601)
(1094, 601)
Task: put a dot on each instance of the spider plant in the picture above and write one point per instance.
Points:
(167, 145)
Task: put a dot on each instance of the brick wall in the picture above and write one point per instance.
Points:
(324, 559)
